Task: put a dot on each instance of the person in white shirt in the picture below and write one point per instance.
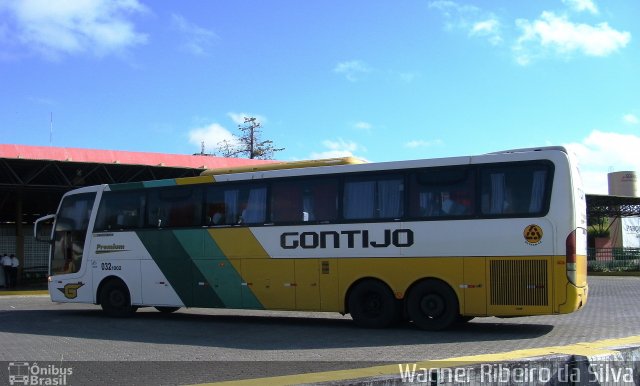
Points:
(15, 263)
(6, 267)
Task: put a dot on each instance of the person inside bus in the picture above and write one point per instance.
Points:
(244, 213)
(451, 207)
(252, 213)
(217, 218)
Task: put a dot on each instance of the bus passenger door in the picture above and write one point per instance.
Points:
(474, 286)
(307, 284)
(271, 281)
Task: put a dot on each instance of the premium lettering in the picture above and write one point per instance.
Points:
(349, 238)
(112, 247)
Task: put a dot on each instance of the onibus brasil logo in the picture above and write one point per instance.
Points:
(24, 373)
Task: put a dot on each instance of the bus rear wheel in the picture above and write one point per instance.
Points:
(167, 310)
(432, 305)
(115, 299)
(372, 305)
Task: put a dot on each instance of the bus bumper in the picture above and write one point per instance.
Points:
(576, 299)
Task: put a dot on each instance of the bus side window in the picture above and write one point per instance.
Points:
(286, 202)
(375, 197)
(254, 206)
(514, 189)
(435, 192)
(120, 210)
(175, 207)
(215, 208)
(320, 200)
(304, 200)
(234, 205)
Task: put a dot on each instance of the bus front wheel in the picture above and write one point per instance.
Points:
(115, 299)
(432, 305)
(372, 305)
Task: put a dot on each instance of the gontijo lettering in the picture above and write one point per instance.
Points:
(352, 239)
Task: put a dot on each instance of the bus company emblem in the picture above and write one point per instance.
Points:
(533, 234)
(70, 290)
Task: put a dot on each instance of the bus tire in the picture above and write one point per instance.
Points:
(115, 299)
(432, 305)
(372, 305)
(166, 309)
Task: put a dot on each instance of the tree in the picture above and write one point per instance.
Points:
(248, 144)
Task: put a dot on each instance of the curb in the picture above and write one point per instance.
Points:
(23, 292)
(609, 361)
(622, 273)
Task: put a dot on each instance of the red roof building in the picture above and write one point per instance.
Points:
(34, 178)
(69, 154)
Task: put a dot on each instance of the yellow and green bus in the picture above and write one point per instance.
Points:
(433, 241)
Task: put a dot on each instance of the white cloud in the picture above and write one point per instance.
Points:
(630, 119)
(211, 135)
(489, 28)
(422, 143)
(582, 5)
(471, 19)
(198, 40)
(451, 8)
(338, 148)
(365, 126)
(68, 27)
(601, 152)
(353, 70)
(557, 34)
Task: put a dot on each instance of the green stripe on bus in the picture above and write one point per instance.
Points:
(159, 183)
(178, 266)
(218, 273)
(126, 186)
(228, 273)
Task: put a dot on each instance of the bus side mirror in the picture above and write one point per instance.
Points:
(39, 231)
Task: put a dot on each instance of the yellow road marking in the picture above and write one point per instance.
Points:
(600, 347)
(24, 293)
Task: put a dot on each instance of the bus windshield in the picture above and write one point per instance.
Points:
(70, 233)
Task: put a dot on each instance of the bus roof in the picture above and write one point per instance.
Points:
(284, 165)
(529, 149)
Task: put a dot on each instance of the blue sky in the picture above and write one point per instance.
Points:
(383, 80)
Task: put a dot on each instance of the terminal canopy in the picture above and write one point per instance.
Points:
(599, 206)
